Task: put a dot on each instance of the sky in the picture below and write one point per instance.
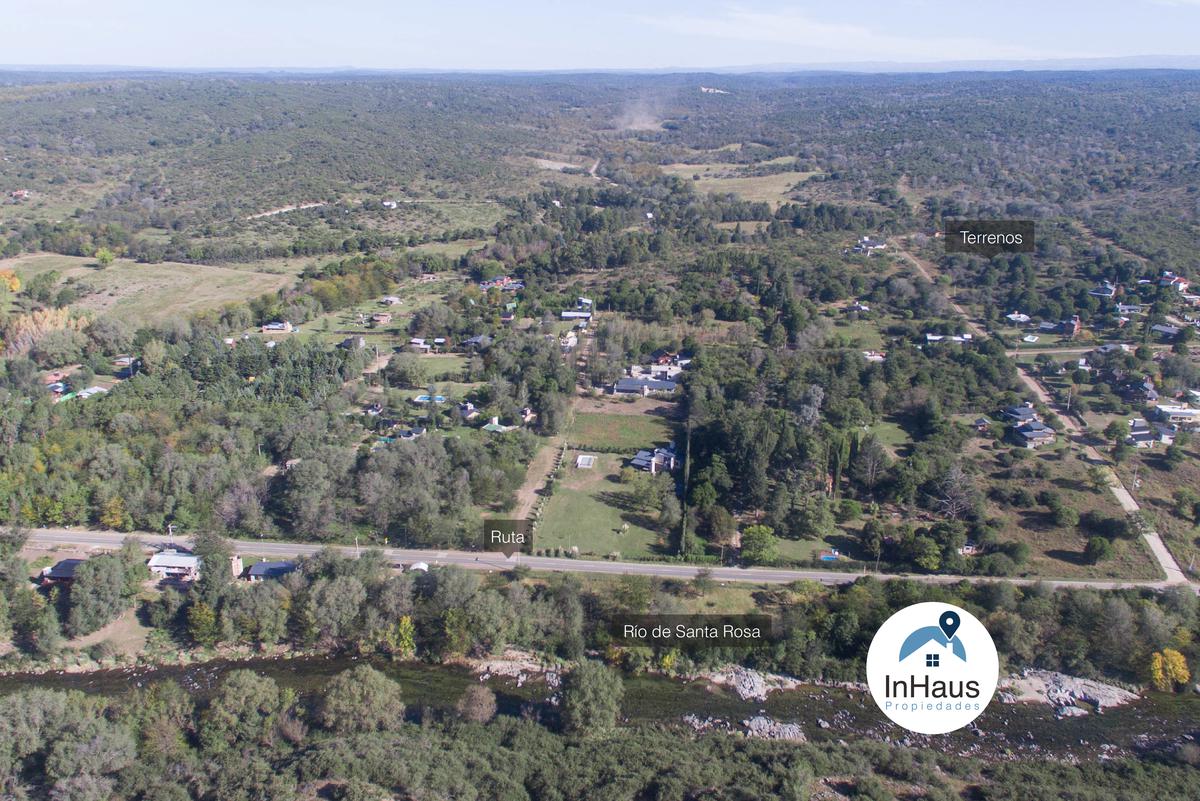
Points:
(568, 35)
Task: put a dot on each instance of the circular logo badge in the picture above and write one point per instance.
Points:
(932, 668)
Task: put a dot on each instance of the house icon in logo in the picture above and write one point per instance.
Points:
(942, 635)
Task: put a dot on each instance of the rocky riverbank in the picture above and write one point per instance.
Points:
(1070, 696)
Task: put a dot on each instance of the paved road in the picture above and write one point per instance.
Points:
(107, 540)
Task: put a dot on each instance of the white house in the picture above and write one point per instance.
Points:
(175, 564)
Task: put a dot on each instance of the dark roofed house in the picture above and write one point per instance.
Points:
(1142, 391)
(261, 571)
(643, 386)
(62, 571)
(1034, 434)
(481, 341)
(1024, 413)
(655, 461)
(1165, 331)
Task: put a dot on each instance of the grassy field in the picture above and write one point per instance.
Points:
(453, 249)
(642, 426)
(862, 334)
(1056, 551)
(725, 178)
(891, 435)
(1156, 486)
(588, 510)
(722, 599)
(335, 326)
(147, 293)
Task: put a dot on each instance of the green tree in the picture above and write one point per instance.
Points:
(244, 711)
(97, 594)
(104, 257)
(592, 695)
(202, 624)
(1116, 431)
(1098, 549)
(361, 700)
(477, 704)
(759, 545)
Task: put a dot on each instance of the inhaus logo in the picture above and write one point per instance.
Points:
(932, 668)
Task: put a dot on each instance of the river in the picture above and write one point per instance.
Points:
(1004, 731)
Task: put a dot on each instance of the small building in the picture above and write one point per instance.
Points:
(1172, 281)
(982, 425)
(1017, 318)
(858, 307)
(504, 283)
(278, 327)
(419, 345)
(1034, 434)
(61, 572)
(1165, 331)
(479, 342)
(1106, 289)
(1141, 434)
(585, 461)
(1129, 309)
(874, 356)
(172, 564)
(1017, 415)
(494, 426)
(576, 315)
(1184, 417)
(1142, 391)
(353, 343)
(644, 387)
(866, 245)
(1067, 328)
(467, 411)
(90, 391)
(390, 300)
(660, 372)
(655, 461)
(381, 318)
(1113, 347)
(261, 571)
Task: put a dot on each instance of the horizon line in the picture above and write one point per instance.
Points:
(1068, 64)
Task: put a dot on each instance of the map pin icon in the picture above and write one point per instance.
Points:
(949, 623)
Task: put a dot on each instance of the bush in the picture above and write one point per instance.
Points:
(1097, 550)
(849, 510)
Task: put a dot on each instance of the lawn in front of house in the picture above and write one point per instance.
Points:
(590, 509)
